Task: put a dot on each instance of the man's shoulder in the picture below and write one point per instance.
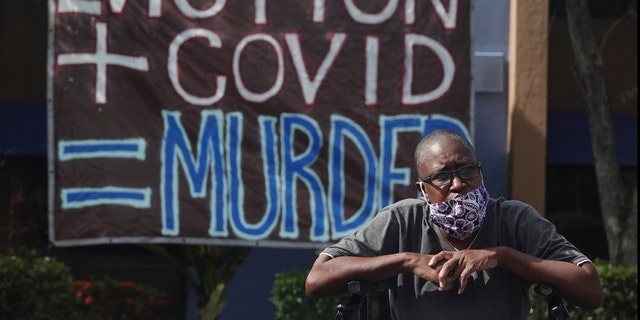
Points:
(405, 209)
(501, 203)
(511, 209)
(409, 204)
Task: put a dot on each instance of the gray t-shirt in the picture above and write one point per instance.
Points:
(491, 294)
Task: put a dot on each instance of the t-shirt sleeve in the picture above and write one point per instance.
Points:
(539, 237)
(378, 237)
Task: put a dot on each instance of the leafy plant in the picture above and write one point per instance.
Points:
(292, 303)
(35, 287)
(39, 287)
(215, 266)
(111, 299)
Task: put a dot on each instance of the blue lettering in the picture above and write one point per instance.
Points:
(270, 165)
(296, 167)
(175, 147)
(287, 163)
(390, 126)
(343, 128)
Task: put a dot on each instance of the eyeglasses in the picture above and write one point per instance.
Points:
(444, 178)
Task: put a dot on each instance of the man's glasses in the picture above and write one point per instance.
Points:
(444, 178)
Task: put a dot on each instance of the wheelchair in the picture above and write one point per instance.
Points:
(357, 303)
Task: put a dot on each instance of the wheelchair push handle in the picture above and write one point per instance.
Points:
(555, 307)
(359, 290)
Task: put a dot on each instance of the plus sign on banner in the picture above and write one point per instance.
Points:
(265, 122)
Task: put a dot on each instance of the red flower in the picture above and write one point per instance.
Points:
(84, 284)
(88, 300)
(79, 294)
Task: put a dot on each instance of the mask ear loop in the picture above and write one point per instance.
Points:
(424, 192)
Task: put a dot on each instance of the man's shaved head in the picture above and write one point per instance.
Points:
(421, 153)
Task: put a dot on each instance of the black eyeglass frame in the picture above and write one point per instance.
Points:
(453, 173)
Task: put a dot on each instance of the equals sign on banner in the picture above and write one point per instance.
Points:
(107, 195)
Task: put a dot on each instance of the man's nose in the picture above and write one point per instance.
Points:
(456, 183)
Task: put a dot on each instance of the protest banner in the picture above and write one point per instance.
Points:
(265, 122)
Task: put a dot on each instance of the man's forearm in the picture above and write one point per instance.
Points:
(577, 284)
(330, 276)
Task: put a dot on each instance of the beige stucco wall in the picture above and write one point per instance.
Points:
(527, 101)
(540, 80)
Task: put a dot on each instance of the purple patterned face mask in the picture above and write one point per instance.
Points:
(462, 216)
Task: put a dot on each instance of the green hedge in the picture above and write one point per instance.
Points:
(619, 284)
(620, 302)
(35, 287)
(292, 303)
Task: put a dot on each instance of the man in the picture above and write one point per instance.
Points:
(456, 253)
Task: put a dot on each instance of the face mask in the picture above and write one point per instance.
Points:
(462, 216)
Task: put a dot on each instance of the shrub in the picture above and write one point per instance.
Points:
(292, 303)
(35, 287)
(111, 299)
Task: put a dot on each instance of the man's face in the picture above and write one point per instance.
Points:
(443, 156)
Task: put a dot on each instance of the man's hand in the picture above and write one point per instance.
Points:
(460, 265)
(421, 267)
